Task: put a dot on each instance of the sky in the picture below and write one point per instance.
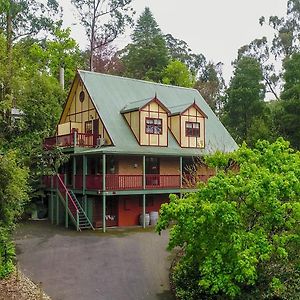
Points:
(215, 28)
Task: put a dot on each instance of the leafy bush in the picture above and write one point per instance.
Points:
(13, 196)
(7, 254)
(240, 231)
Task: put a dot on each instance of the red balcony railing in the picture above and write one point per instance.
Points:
(162, 181)
(124, 182)
(132, 182)
(71, 140)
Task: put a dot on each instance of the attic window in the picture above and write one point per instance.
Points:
(153, 126)
(81, 96)
(192, 129)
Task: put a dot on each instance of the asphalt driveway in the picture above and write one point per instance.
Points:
(119, 265)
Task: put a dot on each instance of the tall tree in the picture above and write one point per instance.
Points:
(103, 20)
(23, 18)
(180, 50)
(288, 120)
(260, 50)
(147, 56)
(287, 30)
(245, 97)
(211, 84)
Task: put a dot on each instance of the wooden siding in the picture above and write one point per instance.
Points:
(133, 119)
(78, 112)
(192, 115)
(153, 110)
(174, 125)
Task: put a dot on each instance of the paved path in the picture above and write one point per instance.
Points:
(118, 265)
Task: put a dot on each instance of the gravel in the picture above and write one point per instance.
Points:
(20, 287)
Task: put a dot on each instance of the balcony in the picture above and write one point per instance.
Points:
(115, 182)
(71, 140)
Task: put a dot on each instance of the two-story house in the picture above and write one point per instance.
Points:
(130, 142)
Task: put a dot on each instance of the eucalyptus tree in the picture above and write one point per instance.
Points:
(103, 21)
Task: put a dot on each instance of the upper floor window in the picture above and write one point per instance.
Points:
(192, 129)
(153, 126)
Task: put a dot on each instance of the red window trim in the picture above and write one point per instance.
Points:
(193, 134)
(161, 125)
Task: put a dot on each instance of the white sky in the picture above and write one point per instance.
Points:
(216, 28)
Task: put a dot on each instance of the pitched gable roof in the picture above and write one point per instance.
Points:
(140, 104)
(180, 109)
(110, 94)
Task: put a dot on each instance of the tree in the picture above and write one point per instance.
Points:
(288, 120)
(103, 20)
(147, 56)
(211, 85)
(240, 234)
(177, 73)
(245, 97)
(20, 19)
(52, 54)
(260, 50)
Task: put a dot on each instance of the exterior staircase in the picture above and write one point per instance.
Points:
(75, 210)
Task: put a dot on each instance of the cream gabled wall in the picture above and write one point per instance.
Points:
(78, 112)
(153, 110)
(192, 115)
(133, 119)
(174, 125)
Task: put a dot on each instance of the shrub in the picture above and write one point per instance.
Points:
(240, 231)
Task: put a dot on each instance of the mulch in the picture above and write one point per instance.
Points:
(20, 287)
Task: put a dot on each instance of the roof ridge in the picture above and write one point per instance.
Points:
(139, 80)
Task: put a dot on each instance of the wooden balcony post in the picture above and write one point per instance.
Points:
(180, 168)
(103, 195)
(84, 173)
(74, 172)
(75, 138)
(144, 173)
(144, 210)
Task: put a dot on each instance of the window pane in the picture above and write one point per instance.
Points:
(153, 126)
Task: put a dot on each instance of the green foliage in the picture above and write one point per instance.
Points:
(13, 189)
(7, 254)
(13, 196)
(147, 56)
(177, 73)
(288, 120)
(241, 229)
(245, 97)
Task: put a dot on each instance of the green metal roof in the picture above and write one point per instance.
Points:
(113, 94)
(180, 108)
(135, 105)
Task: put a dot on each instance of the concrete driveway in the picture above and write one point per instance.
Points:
(119, 265)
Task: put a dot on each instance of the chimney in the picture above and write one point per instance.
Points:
(62, 77)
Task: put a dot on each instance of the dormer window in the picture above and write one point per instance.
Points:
(153, 126)
(192, 129)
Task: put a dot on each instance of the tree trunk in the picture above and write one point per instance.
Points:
(9, 48)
